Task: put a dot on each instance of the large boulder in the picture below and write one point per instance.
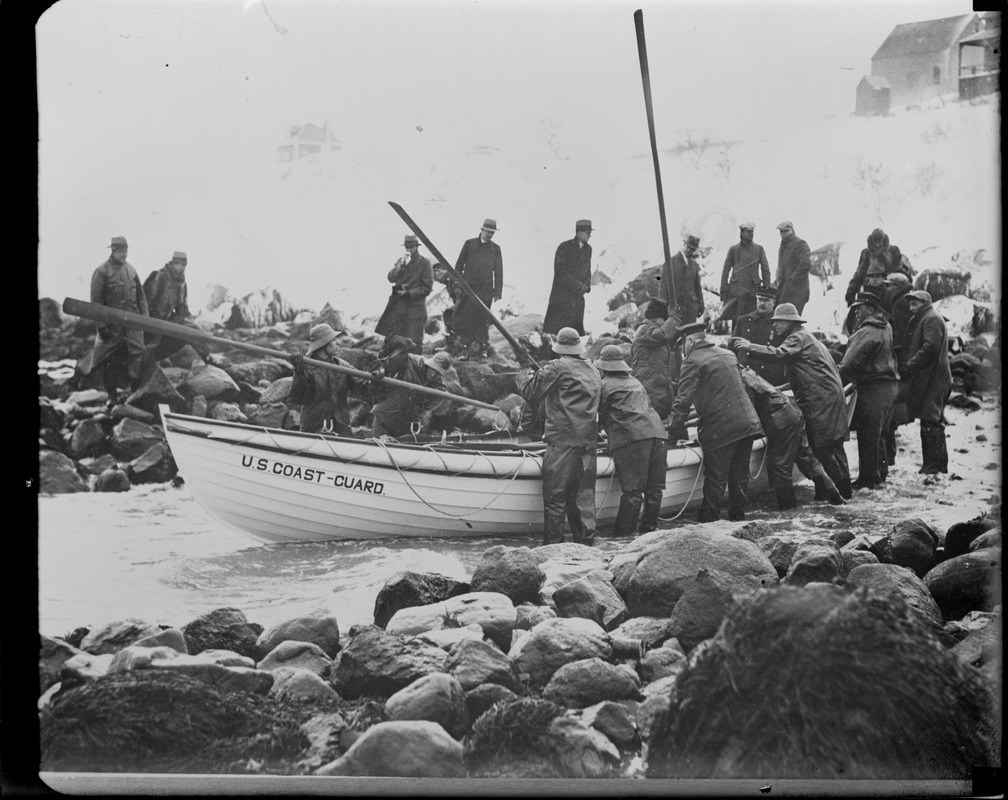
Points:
(210, 382)
(300, 685)
(436, 697)
(409, 589)
(53, 654)
(512, 571)
(376, 663)
(814, 561)
(296, 655)
(321, 630)
(155, 465)
(131, 439)
(561, 570)
(591, 597)
(960, 536)
(583, 683)
(88, 439)
(223, 629)
(401, 749)
(555, 642)
(158, 389)
(474, 663)
(970, 582)
(705, 601)
(58, 474)
(910, 543)
(492, 611)
(779, 551)
(114, 636)
(899, 583)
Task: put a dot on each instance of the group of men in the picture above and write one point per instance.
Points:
(124, 357)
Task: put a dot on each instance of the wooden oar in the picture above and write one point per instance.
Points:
(117, 316)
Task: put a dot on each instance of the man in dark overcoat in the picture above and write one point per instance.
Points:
(118, 350)
(412, 279)
(927, 379)
(481, 265)
(727, 422)
(400, 408)
(794, 260)
(686, 274)
(886, 257)
(757, 327)
(652, 356)
(869, 363)
(817, 389)
(571, 282)
(168, 299)
(323, 393)
(897, 285)
(744, 266)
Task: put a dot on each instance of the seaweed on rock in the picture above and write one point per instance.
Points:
(511, 739)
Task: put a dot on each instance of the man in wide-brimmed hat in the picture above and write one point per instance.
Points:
(571, 281)
(568, 388)
(870, 364)
(727, 422)
(927, 378)
(816, 385)
(744, 264)
(167, 299)
(794, 260)
(481, 265)
(686, 276)
(638, 443)
(412, 279)
(757, 327)
(442, 416)
(400, 409)
(322, 392)
(652, 356)
(118, 351)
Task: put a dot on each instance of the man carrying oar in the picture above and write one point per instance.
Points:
(322, 392)
(400, 408)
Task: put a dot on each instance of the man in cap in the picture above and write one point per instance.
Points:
(885, 257)
(569, 389)
(638, 443)
(870, 365)
(168, 299)
(817, 389)
(322, 392)
(481, 266)
(744, 265)
(653, 358)
(412, 279)
(927, 379)
(571, 282)
(727, 422)
(757, 327)
(686, 276)
(794, 260)
(118, 351)
(395, 414)
(897, 286)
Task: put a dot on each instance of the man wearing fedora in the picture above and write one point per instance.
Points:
(927, 379)
(869, 363)
(167, 299)
(412, 279)
(322, 392)
(571, 282)
(727, 422)
(818, 390)
(118, 351)
(744, 265)
(395, 414)
(638, 443)
(568, 388)
(481, 266)
(686, 275)
(757, 327)
(794, 260)
(652, 355)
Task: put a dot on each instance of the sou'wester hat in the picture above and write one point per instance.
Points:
(786, 312)
(611, 359)
(568, 343)
(118, 243)
(490, 225)
(180, 255)
(690, 329)
(440, 361)
(320, 336)
(583, 225)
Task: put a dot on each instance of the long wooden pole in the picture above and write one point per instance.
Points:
(646, 78)
(520, 352)
(118, 316)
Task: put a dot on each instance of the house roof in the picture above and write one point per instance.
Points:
(928, 36)
(876, 82)
(982, 36)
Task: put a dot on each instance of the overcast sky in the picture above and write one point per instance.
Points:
(151, 107)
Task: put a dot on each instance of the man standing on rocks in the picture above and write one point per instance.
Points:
(927, 379)
(740, 276)
(322, 392)
(885, 257)
(118, 351)
(757, 327)
(870, 364)
(686, 275)
(710, 381)
(638, 443)
(481, 265)
(412, 279)
(168, 299)
(817, 389)
(570, 388)
(652, 356)
(396, 413)
(794, 260)
(571, 282)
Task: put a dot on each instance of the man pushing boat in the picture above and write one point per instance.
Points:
(400, 408)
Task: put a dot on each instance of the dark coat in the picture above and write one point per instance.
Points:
(400, 406)
(328, 391)
(899, 310)
(757, 328)
(744, 266)
(710, 381)
(887, 255)
(688, 294)
(406, 315)
(625, 412)
(118, 285)
(815, 382)
(167, 294)
(482, 266)
(569, 387)
(571, 282)
(869, 356)
(793, 263)
(652, 362)
(927, 377)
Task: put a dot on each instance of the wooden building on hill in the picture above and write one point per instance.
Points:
(873, 97)
(980, 59)
(303, 140)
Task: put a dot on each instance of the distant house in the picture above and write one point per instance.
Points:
(920, 60)
(980, 58)
(303, 140)
(873, 96)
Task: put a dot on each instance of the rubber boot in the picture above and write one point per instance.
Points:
(785, 498)
(820, 486)
(931, 444)
(626, 517)
(941, 446)
(844, 488)
(649, 519)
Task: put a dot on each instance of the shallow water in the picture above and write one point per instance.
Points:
(152, 553)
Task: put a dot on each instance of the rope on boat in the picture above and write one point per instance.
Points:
(766, 446)
(690, 498)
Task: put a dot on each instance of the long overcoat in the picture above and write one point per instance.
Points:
(688, 294)
(328, 405)
(406, 315)
(625, 412)
(167, 294)
(482, 267)
(869, 356)
(569, 389)
(744, 267)
(927, 378)
(571, 281)
(793, 263)
(118, 285)
(653, 363)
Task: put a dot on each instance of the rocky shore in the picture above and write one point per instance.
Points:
(724, 651)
